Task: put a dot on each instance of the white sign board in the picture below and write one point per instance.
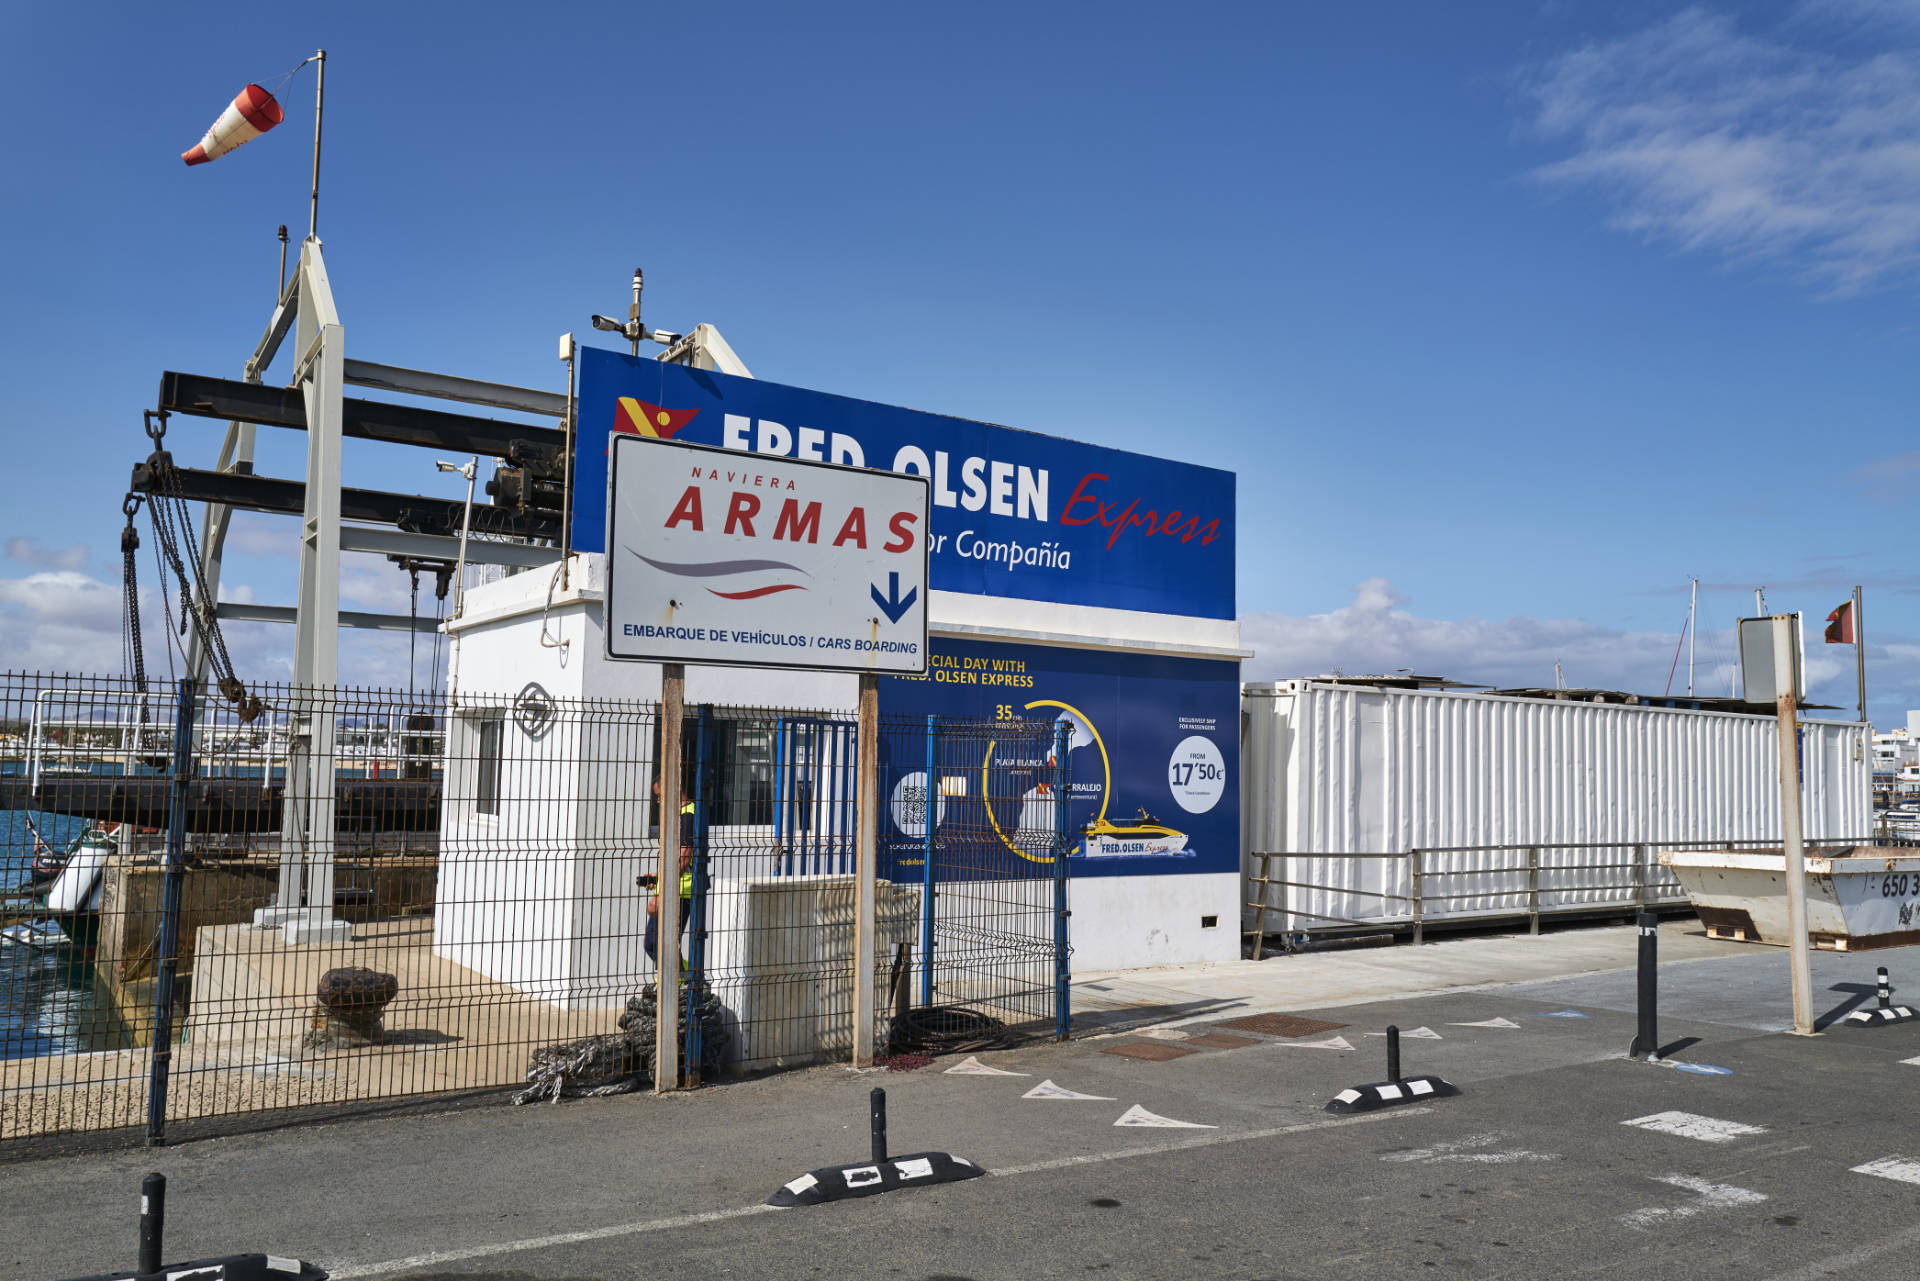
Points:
(720, 557)
(1757, 680)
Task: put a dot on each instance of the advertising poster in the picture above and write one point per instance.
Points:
(1154, 744)
(1014, 513)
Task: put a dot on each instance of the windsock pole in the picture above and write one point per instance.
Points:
(319, 106)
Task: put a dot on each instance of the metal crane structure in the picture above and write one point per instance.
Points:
(523, 526)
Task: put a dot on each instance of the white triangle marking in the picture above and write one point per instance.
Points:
(974, 1067)
(1048, 1090)
(1137, 1115)
(1418, 1034)
(1332, 1043)
(1493, 1022)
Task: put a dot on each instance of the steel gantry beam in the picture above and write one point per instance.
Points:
(414, 513)
(207, 397)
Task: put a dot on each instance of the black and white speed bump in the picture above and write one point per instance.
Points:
(1887, 1014)
(229, 1267)
(1386, 1094)
(870, 1178)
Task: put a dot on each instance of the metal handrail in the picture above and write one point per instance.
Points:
(1651, 884)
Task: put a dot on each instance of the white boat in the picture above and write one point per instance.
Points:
(78, 887)
(1139, 837)
(36, 934)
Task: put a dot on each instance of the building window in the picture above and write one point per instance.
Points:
(486, 791)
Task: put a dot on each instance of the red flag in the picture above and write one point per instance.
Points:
(1840, 625)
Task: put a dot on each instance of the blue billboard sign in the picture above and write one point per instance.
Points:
(1015, 513)
(1153, 744)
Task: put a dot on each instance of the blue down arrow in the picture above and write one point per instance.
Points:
(893, 604)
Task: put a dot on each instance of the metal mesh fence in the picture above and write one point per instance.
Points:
(377, 895)
(992, 872)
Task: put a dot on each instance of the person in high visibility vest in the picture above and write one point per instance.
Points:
(686, 881)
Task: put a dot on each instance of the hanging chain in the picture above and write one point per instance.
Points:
(173, 529)
(133, 652)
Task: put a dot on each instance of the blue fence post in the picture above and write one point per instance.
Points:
(693, 990)
(932, 816)
(167, 947)
(1062, 974)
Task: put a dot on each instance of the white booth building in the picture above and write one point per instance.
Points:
(1070, 583)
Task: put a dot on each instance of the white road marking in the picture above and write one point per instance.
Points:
(1689, 1125)
(1048, 1090)
(1331, 1043)
(1708, 1196)
(972, 1066)
(1915, 1061)
(1137, 1115)
(1494, 1022)
(1892, 1167)
(1470, 1150)
(349, 1272)
(1418, 1034)
(1166, 1033)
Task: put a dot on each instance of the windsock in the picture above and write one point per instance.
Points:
(252, 112)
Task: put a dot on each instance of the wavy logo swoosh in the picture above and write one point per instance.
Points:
(726, 568)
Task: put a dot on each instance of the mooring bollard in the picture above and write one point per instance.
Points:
(879, 1104)
(1393, 1054)
(153, 1220)
(1646, 1041)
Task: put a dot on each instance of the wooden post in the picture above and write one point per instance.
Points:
(1413, 859)
(1533, 889)
(866, 864)
(666, 1055)
(1793, 845)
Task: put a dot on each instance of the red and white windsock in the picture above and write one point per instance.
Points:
(252, 112)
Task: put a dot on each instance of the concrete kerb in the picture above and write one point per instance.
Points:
(1278, 973)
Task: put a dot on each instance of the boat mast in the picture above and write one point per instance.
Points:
(1693, 633)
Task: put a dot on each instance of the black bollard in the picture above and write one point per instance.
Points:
(1886, 989)
(153, 1220)
(879, 1126)
(1646, 1042)
(1393, 1054)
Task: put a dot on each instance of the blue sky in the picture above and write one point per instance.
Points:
(1510, 318)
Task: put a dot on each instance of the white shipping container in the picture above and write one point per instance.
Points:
(1332, 769)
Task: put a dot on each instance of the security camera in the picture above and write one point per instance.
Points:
(610, 324)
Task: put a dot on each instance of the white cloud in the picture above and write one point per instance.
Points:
(262, 535)
(1376, 635)
(1747, 146)
(31, 553)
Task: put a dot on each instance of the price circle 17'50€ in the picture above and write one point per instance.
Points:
(1197, 774)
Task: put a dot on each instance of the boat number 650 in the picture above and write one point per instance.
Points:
(1896, 886)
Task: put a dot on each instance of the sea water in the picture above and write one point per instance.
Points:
(47, 1000)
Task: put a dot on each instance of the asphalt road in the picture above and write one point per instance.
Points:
(1536, 1170)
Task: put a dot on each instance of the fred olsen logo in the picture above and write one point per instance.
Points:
(641, 419)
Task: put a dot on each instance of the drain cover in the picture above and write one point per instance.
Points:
(1280, 1025)
(1156, 1051)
